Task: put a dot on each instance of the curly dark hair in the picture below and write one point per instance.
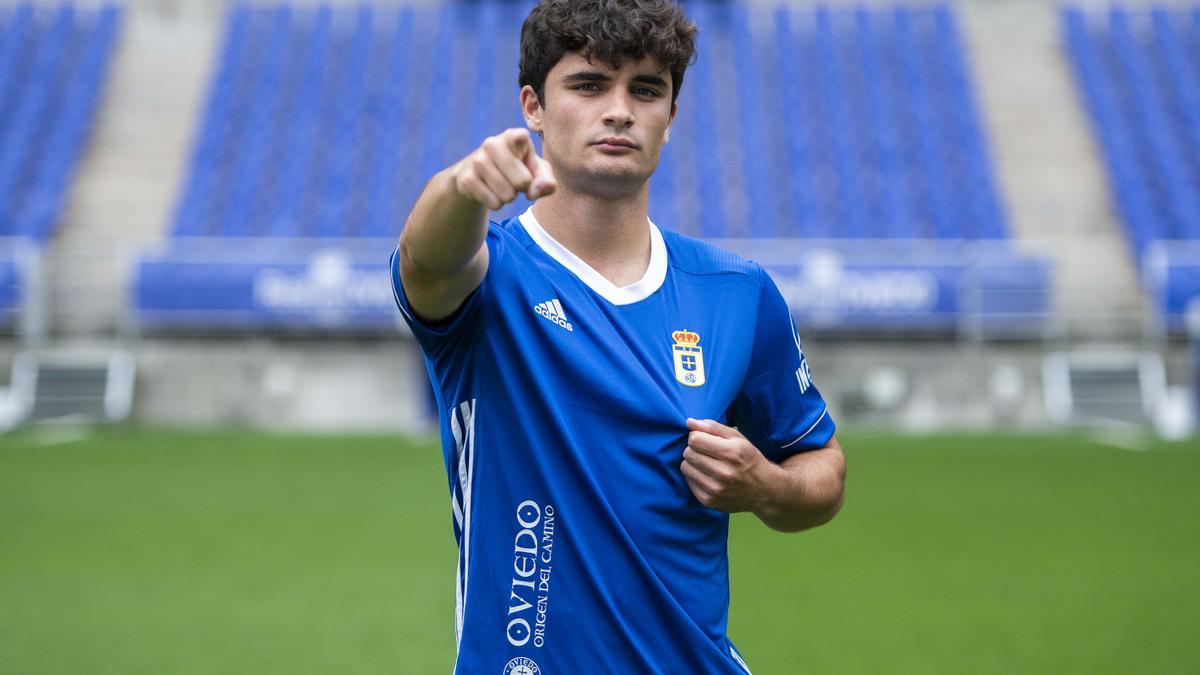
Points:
(609, 31)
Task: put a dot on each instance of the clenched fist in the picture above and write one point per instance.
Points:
(503, 166)
(724, 470)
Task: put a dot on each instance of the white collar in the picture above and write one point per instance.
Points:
(641, 289)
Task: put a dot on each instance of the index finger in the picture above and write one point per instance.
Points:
(712, 427)
(541, 178)
(517, 139)
(707, 444)
(521, 145)
(503, 153)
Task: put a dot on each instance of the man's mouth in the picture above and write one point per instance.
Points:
(616, 142)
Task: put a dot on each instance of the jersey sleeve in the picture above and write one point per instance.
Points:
(778, 407)
(438, 336)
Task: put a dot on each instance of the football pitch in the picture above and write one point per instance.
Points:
(133, 551)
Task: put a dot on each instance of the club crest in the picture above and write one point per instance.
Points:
(689, 359)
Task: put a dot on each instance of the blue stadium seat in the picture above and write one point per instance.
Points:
(798, 106)
(32, 107)
(704, 131)
(886, 204)
(382, 213)
(63, 143)
(292, 197)
(1139, 81)
(190, 211)
(250, 162)
(14, 44)
(52, 66)
(985, 218)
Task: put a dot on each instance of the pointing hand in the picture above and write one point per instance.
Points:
(503, 166)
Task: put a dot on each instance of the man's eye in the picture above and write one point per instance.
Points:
(588, 86)
(645, 91)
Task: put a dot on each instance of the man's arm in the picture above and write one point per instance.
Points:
(726, 472)
(442, 253)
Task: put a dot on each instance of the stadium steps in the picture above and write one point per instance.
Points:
(128, 180)
(1049, 167)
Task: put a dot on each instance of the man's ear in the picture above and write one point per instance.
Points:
(531, 107)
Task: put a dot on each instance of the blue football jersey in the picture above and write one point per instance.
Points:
(563, 401)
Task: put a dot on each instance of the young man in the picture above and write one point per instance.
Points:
(590, 369)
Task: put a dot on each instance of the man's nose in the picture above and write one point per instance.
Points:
(620, 110)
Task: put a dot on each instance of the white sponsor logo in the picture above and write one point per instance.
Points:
(826, 289)
(529, 596)
(552, 311)
(330, 284)
(803, 374)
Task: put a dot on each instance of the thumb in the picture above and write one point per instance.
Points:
(712, 427)
(544, 182)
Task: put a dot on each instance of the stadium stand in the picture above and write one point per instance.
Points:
(880, 135)
(850, 138)
(52, 66)
(1138, 72)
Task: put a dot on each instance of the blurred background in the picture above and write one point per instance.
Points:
(218, 451)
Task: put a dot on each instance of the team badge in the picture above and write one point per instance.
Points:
(689, 360)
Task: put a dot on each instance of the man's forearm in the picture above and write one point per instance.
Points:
(442, 254)
(805, 490)
(445, 229)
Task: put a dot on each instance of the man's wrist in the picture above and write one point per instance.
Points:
(771, 481)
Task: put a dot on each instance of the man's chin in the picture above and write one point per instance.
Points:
(616, 175)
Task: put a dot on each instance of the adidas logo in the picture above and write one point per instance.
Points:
(552, 311)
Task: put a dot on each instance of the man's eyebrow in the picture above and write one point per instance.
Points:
(587, 76)
(650, 79)
(594, 76)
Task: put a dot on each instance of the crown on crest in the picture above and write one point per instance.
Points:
(685, 337)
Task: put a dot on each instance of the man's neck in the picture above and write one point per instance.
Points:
(611, 235)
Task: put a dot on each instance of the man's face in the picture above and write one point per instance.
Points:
(602, 128)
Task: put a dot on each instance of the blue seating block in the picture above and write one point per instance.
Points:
(829, 122)
(1139, 71)
(52, 65)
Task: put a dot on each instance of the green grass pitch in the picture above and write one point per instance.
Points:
(162, 552)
